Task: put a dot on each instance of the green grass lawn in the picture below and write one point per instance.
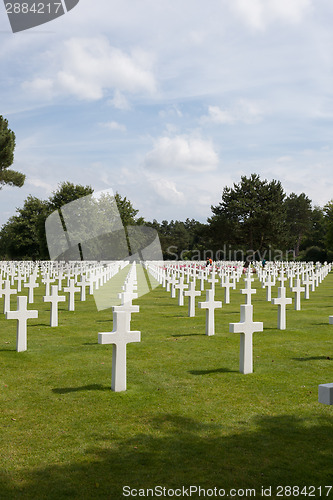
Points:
(188, 416)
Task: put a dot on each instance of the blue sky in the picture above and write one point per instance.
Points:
(168, 102)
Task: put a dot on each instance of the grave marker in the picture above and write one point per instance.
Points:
(210, 305)
(54, 298)
(181, 287)
(7, 292)
(282, 301)
(71, 289)
(22, 314)
(119, 338)
(248, 291)
(31, 285)
(298, 289)
(191, 293)
(246, 327)
(227, 285)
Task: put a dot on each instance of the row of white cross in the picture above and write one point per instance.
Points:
(51, 272)
(120, 336)
(168, 276)
(171, 276)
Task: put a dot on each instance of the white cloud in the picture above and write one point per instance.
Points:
(119, 101)
(259, 13)
(39, 183)
(167, 190)
(170, 112)
(89, 68)
(243, 111)
(182, 152)
(114, 126)
(284, 159)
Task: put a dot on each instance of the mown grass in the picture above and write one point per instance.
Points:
(188, 416)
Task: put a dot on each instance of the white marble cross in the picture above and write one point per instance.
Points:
(71, 289)
(248, 291)
(307, 281)
(173, 281)
(167, 281)
(212, 280)
(47, 280)
(22, 314)
(54, 298)
(19, 279)
(268, 284)
(127, 306)
(119, 337)
(297, 290)
(181, 287)
(191, 293)
(201, 277)
(281, 301)
(246, 327)
(82, 285)
(31, 285)
(282, 278)
(210, 305)
(6, 292)
(60, 278)
(227, 285)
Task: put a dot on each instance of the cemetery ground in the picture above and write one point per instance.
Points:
(188, 416)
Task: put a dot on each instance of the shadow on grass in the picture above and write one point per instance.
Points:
(92, 387)
(207, 372)
(173, 451)
(187, 334)
(312, 358)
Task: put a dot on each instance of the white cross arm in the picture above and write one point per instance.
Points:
(119, 338)
(244, 327)
(52, 298)
(282, 300)
(193, 293)
(19, 314)
(208, 305)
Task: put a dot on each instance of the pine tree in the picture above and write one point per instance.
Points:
(7, 146)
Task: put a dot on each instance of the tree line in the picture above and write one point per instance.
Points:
(254, 220)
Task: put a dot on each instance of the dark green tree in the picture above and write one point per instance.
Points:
(298, 219)
(23, 236)
(127, 212)
(67, 192)
(328, 216)
(316, 234)
(7, 146)
(251, 214)
(180, 240)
